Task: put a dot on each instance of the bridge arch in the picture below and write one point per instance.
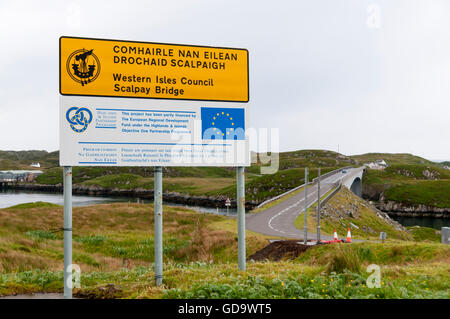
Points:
(356, 187)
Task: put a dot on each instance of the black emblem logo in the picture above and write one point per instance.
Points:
(83, 66)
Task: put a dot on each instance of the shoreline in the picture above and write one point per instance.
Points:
(391, 208)
(168, 197)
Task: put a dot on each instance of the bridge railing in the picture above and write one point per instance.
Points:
(330, 173)
(300, 186)
(337, 187)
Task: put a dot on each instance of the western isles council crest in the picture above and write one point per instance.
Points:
(83, 66)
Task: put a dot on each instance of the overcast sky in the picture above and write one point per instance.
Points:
(369, 76)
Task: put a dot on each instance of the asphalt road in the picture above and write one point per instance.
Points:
(278, 220)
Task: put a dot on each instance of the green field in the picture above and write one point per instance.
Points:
(425, 234)
(113, 244)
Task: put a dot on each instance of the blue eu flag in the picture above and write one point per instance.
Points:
(223, 123)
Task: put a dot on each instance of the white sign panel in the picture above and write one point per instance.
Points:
(103, 131)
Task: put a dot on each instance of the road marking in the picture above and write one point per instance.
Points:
(286, 209)
(335, 177)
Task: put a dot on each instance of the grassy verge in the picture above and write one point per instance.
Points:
(311, 216)
(388, 253)
(34, 205)
(106, 236)
(303, 278)
(425, 234)
(113, 244)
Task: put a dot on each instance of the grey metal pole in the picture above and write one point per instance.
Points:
(240, 176)
(318, 206)
(158, 226)
(305, 236)
(67, 171)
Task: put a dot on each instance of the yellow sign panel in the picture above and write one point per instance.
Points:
(96, 67)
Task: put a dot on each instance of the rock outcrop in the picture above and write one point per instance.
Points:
(400, 209)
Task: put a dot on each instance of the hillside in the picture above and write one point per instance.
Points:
(10, 160)
(409, 179)
(392, 158)
(198, 181)
(309, 158)
(409, 184)
(287, 160)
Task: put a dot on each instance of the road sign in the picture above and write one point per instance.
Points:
(139, 132)
(98, 67)
(108, 116)
(445, 234)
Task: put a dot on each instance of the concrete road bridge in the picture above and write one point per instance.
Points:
(278, 220)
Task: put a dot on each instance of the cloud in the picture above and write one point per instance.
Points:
(317, 71)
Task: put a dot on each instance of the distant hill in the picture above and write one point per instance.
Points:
(288, 160)
(407, 179)
(212, 181)
(392, 158)
(23, 159)
(308, 158)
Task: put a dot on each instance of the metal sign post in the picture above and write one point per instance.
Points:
(318, 206)
(305, 236)
(67, 172)
(241, 216)
(158, 226)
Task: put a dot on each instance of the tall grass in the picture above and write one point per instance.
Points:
(342, 259)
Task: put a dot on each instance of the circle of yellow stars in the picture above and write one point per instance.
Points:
(219, 114)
